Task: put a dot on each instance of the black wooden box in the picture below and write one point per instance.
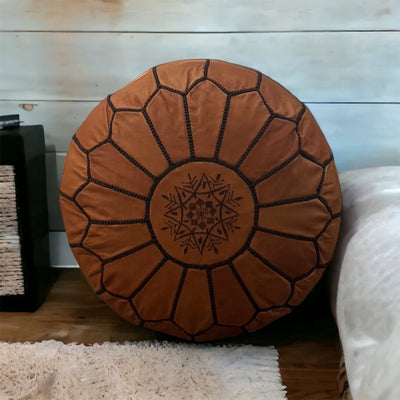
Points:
(23, 150)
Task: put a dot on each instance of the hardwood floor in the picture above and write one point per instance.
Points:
(306, 339)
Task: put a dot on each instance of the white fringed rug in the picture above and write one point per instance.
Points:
(138, 371)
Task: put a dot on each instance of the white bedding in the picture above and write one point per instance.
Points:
(366, 282)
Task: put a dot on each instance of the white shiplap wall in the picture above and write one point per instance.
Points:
(59, 58)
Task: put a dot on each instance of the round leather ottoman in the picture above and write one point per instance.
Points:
(201, 200)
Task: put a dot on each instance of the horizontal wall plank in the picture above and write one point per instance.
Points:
(316, 67)
(360, 135)
(345, 125)
(199, 15)
(60, 119)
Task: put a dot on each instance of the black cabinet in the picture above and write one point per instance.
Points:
(22, 149)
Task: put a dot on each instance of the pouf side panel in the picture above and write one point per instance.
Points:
(246, 114)
(290, 257)
(99, 204)
(304, 286)
(122, 307)
(281, 136)
(169, 328)
(303, 218)
(180, 75)
(167, 113)
(206, 104)
(95, 129)
(91, 267)
(233, 306)
(156, 301)
(327, 241)
(111, 240)
(76, 165)
(330, 191)
(74, 220)
(266, 286)
(138, 143)
(108, 165)
(232, 77)
(127, 275)
(193, 310)
(264, 318)
(279, 99)
(313, 142)
(134, 95)
(304, 177)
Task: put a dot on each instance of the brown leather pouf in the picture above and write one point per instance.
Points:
(201, 200)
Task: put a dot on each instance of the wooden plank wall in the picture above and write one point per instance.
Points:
(59, 58)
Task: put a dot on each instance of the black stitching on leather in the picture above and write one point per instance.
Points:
(243, 286)
(321, 182)
(156, 137)
(222, 127)
(62, 194)
(155, 74)
(325, 203)
(77, 191)
(148, 278)
(78, 143)
(286, 235)
(206, 66)
(288, 201)
(259, 80)
(323, 229)
(193, 85)
(268, 264)
(128, 252)
(178, 294)
(118, 222)
(110, 103)
(188, 127)
(212, 297)
(317, 252)
(254, 142)
(128, 110)
(242, 91)
(168, 89)
(147, 102)
(309, 158)
(136, 311)
(267, 106)
(219, 86)
(85, 233)
(132, 160)
(279, 116)
(301, 113)
(276, 169)
(118, 189)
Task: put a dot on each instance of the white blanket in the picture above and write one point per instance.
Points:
(366, 282)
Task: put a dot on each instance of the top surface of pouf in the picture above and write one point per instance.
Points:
(201, 200)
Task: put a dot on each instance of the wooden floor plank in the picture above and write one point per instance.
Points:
(306, 339)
